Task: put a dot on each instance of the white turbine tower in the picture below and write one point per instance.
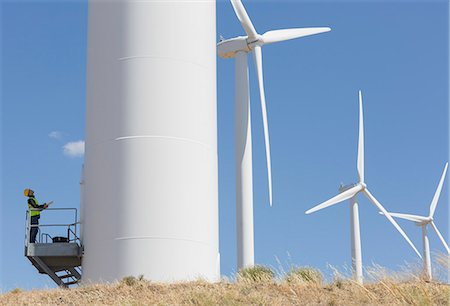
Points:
(238, 48)
(351, 192)
(423, 222)
(149, 193)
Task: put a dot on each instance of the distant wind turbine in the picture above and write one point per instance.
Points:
(238, 48)
(423, 222)
(351, 192)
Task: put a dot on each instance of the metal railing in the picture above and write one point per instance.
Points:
(71, 232)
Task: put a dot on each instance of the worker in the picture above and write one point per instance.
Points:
(34, 212)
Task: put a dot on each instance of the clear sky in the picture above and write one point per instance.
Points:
(396, 52)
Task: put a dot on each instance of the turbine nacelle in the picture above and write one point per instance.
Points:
(229, 47)
(423, 223)
(343, 187)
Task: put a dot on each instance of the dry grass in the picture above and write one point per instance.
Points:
(299, 286)
(304, 275)
(141, 292)
(256, 274)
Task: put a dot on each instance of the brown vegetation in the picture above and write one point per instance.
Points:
(141, 292)
(255, 286)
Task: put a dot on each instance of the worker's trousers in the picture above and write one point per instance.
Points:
(34, 230)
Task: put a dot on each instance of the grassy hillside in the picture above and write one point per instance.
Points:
(255, 286)
(259, 286)
(141, 292)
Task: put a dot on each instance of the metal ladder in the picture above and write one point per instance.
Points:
(63, 277)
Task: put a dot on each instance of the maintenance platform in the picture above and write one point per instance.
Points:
(58, 254)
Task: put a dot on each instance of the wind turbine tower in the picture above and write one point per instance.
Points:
(350, 192)
(150, 203)
(238, 48)
(424, 221)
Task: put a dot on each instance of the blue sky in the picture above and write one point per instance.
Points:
(395, 52)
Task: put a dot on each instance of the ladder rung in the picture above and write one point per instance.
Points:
(71, 283)
(66, 276)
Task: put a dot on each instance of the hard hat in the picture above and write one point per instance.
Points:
(27, 191)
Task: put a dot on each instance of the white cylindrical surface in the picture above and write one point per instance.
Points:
(356, 241)
(151, 190)
(426, 253)
(81, 201)
(244, 176)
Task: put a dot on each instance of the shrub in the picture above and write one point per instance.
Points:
(256, 274)
(304, 275)
(131, 280)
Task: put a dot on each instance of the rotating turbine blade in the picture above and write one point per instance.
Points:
(440, 236)
(337, 199)
(257, 56)
(360, 164)
(245, 21)
(287, 34)
(388, 216)
(409, 217)
(438, 192)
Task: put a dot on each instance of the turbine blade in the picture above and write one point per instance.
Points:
(257, 56)
(438, 192)
(360, 164)
(245, 21)
(388, 216)
(409, 217)
(440, 236)
(287, 34)
(337, 199)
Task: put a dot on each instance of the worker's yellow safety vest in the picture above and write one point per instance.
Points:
(33, 211)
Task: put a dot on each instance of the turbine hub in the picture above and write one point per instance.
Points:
(258, 40)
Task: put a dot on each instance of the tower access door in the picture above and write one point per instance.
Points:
(57, 251)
